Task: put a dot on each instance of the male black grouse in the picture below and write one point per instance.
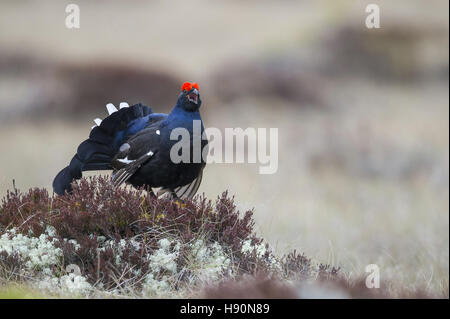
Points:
(135, 143)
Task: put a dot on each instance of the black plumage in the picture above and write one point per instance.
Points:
(135, 143)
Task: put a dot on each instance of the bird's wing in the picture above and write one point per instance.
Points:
(136, 126)
(123, 174)
(137, 150)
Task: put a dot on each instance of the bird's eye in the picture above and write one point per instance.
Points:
(195, 85)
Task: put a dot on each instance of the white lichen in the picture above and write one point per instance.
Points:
(37, 252)
(165, 258)
(162, 261)
(209, 261)
(71, 284)
(155, 287)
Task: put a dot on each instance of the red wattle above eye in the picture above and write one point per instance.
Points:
(186, 86)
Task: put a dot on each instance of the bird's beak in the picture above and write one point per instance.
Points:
(193, 96)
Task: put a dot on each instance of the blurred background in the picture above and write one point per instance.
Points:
(362, 113)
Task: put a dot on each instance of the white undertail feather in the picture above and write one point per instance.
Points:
(111, 109)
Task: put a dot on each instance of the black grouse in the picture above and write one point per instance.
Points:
(136, 144)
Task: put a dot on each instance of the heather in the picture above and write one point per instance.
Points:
(122, 242)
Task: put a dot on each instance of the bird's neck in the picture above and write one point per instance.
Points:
(180, 114)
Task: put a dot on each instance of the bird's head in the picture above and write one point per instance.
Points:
(189, 98)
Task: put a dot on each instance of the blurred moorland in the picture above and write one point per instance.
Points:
(362, 113)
